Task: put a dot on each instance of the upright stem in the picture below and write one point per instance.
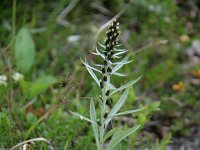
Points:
(103, 107)
(110, 44)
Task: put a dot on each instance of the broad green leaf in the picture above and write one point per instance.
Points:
(126, 85)
(94, 119)
(82, 117)
(121, 135)
(24, 50)
(31, 89)
(117, 106)
(109, 134)
(127, 112)
(92, 74)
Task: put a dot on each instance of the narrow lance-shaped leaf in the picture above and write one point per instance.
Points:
(94, 119)
(119, 50)
(117, 67)
(82, 117)
(101, 45)
(121, 62)
(86, 64)
(98, 53)
(121, 135)
(119, 53)
(117, 106)
(98, 65)
(109, 134)
(126, 85)
(92, 74)
(110, 85)
(127, 112)
(118, 74)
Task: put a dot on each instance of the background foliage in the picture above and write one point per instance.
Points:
(37, 51)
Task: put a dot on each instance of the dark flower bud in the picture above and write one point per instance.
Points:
(109, 57)
(101, 83)
(105, 63)
(98, 122)
(105, 53)
(108, 93)
(105, 115)
(109, 69)
(109, 103)
(104, 78)
(103, 70)
(107, 42)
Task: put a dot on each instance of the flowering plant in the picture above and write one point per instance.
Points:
(110, 52)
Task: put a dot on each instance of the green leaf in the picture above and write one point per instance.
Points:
(31, 89)
(109, 134)
(117, 67)
(121, 135)
(92, 74)
(86, 64)
(126, 85)
(24, 50)
(117, 106)
(94, 119)
(82, 117)
(118, 74)
(127, 112)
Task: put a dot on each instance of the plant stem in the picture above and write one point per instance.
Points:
(103, 107)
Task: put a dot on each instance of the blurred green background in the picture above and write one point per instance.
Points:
(41, 42)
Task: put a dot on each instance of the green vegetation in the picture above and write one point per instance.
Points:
(42, 77)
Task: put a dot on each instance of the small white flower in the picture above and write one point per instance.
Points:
(3, 79)
(17, 76)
